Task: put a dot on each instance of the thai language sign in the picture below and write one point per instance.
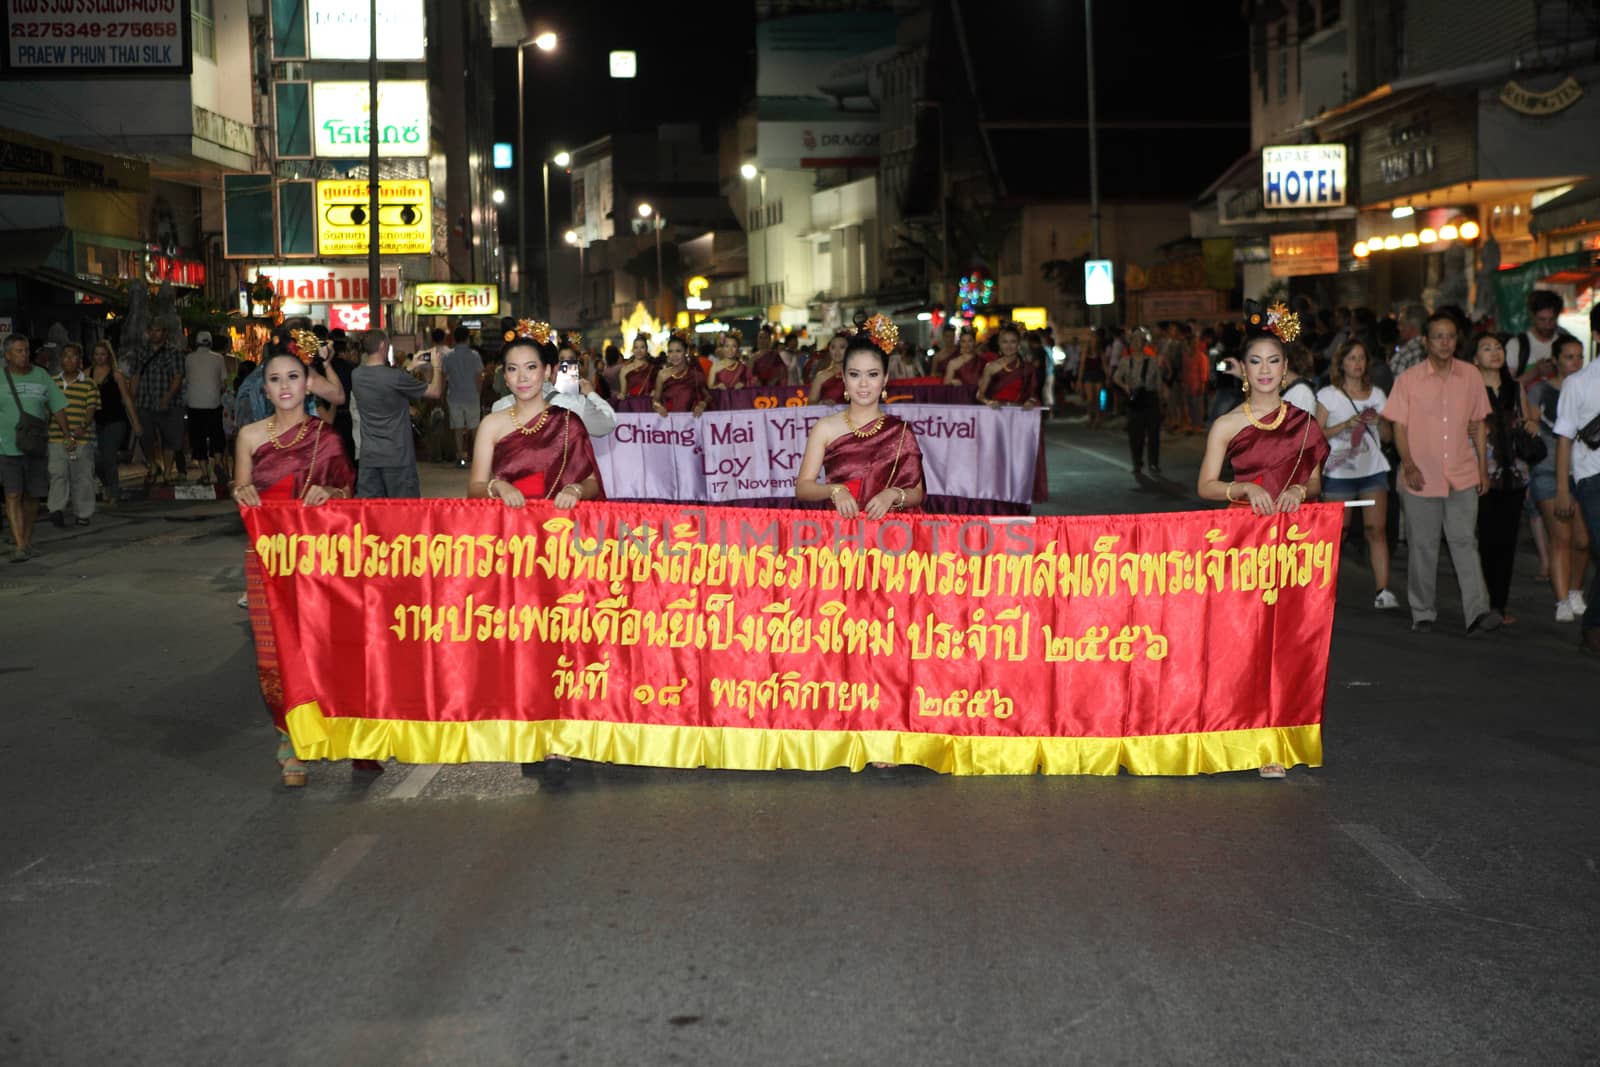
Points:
(341, 118)
(405, 214)
(749, 454)
(1303, 176)
(78, 37)
(457, 631)
(330, 284)
(454, 298)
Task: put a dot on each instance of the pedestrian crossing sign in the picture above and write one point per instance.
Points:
(1098, 287)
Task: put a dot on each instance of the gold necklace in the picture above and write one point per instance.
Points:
(533, 427)
(272, 433)
(1283, 413)
(869, 431)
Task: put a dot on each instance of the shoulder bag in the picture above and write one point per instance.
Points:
(1528, 447)
(33, 436)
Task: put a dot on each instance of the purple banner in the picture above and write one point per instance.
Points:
(794, 396)
(724, 457)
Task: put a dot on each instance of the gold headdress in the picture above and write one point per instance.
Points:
(883, 331)
(531, 329)
(306, 344)
(1279, 321)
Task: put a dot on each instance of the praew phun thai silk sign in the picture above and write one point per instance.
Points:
(455, 631)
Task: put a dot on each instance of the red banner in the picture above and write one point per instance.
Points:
(449, 631)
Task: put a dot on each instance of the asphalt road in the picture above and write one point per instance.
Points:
(1428, 896)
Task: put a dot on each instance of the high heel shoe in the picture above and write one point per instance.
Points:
(294, 772)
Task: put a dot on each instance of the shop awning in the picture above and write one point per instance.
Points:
(1578, 206)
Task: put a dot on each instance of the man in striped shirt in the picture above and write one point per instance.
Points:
(72, 445)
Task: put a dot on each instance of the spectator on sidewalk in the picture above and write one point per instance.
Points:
(1139, 376)
(1438, 411)
(157, 386)
(25, 478)
(463, 373)
(1350, 409)
(1578, 476)
(1413, 346)
(1500, 509)
(1530, 355)
(384, 393)
(204, 376)
(72, 447)
(1569, 538)
(116, 416)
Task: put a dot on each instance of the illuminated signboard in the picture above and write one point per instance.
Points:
(339, 118)
(337, 283)
(1303, 176)
(405, 218)
(341, 29)
(502, 155)
(450, 298)
(1099, 287)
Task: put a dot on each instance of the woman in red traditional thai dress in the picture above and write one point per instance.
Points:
(768, 366)
(286, 456)
(967, 366)
(636, 375)
(729, 370)
(680, 386)
(1276, 449)
(533, 450)
(1010, 379)
(863, 460)
(827, 385)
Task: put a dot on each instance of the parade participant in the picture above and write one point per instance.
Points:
(286, 456)
(871, 458)
(1569, 538)
(967, 366)
(636, 375)
(116, 416)
(1438, 408)
(680, 386)
(1276, 450)
(1011, 378)
(947, 350)
(1349, 410)
(566, 389)
(827, 383)
(768, 366)
(1500, 509)
(729, 370)
(534, 450)
(872, 461)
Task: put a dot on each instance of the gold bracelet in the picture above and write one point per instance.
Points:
(902, 493)
(834, 494)
(1303, 493)
(1227, 491)
(488, 489)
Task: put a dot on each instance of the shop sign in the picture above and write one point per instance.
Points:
(353, 318)
(1299, 254)
(1303, 176)
(32, 164)
(158, 268)
(121, 37)
(338, 283)
(342, 29)
(340, 117)
(405, 218)
(845, 142)
(1099, 287)
(451, 298)
(1541, 103)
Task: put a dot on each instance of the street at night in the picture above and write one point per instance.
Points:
(1426, 896)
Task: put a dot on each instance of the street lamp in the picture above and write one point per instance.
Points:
(561, 159)
(498, 196)
(750, 172)
(645, 212)
(545, 42)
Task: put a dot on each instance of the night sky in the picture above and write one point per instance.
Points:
(1171, 63)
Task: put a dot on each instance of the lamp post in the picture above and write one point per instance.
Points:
(544, 42)
(645, 212)
(1094, 143)
(562, 159)
(751, 172)
(575, 241)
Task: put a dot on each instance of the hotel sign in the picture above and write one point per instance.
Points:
(449, 298)
(1303, 176)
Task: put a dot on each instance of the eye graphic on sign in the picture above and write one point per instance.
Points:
(388, 214)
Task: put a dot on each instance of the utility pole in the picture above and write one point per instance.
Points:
(523, 308)
(1094, 143)
(544, 169)
(374, 133)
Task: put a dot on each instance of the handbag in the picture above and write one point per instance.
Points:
(1529, 447)
(32, 435)
(1590, 434)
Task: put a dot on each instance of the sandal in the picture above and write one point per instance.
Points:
(294, 772)
(1273, 770)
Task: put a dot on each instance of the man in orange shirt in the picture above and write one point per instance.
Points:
(1438, 408)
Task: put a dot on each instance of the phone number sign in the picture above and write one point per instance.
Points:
(78, 37)
(405, 218)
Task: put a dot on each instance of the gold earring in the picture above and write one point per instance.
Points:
(883, 396)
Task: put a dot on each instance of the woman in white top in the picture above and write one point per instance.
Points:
(1348, 408)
